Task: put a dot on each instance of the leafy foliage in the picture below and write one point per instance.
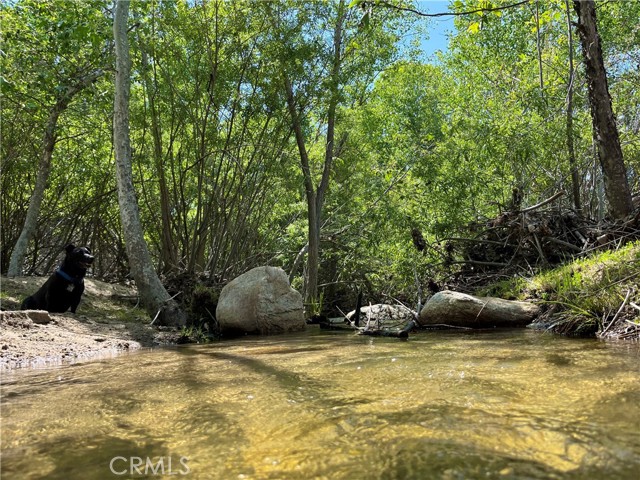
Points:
(436, 147)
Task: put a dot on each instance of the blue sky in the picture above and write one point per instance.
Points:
(438, 27)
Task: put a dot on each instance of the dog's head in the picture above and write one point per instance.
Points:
(78, 257)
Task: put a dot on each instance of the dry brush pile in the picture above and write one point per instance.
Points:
(542, 235)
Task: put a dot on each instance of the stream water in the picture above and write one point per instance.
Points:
(502, 404)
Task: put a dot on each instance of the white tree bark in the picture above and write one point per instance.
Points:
(153, 295)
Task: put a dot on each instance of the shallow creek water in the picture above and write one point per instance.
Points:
(503, 404)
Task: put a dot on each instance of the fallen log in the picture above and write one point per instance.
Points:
(462, 310)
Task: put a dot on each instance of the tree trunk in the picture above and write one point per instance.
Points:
(153, 296)
(315, 197)
(604, 123)
(16, 263)
(575, 178)
(539, 49)
(167, 245)
(311, 290)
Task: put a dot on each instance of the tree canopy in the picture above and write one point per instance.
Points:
(245, 116)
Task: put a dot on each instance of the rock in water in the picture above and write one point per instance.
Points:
(383, 316)
(260, 301)
(462, 310)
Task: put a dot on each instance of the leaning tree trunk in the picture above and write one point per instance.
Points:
(604, 122)
(153, 296)
(16, 263)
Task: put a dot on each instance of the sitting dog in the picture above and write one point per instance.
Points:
(64, 288)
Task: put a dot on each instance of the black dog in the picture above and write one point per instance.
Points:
(64, 288)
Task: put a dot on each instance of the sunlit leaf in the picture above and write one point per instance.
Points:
(474, 27)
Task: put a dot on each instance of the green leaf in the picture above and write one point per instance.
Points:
(473, 28)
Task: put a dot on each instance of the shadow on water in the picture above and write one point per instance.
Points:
(88, 458)
(414, 458)
(38, 387)
(295, 385)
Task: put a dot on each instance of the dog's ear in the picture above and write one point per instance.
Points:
(70, 248)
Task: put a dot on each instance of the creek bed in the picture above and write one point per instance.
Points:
(499, 404)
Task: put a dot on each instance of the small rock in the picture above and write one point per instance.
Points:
(39, 316)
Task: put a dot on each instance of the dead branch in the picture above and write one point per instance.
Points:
(615, 317)
(544, 202)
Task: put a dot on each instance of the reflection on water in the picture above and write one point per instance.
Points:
(515, 404)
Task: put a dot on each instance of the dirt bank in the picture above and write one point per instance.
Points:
(108, 322)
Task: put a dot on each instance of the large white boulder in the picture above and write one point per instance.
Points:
(260, 301)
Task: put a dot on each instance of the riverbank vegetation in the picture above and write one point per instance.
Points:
(594, 295)
(315, 137)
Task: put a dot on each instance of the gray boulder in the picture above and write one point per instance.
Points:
(462, 310)
(383, 316)
(260, 301)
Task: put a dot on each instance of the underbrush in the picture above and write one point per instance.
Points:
(595, 295)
